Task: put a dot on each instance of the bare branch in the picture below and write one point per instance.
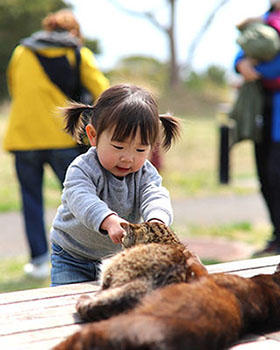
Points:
(201, 32)
(148, 15)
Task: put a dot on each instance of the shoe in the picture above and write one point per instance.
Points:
(37, 271)
(272, 248)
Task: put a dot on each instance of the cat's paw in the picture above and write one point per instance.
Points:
(95, 308)
(83, 306)
(83, 299)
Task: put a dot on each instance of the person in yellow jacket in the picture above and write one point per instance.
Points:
(46, 70)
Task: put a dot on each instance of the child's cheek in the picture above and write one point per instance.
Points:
(140, 161)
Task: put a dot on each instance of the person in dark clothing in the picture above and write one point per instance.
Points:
(267, 152)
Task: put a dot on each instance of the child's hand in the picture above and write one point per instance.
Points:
(112, 224)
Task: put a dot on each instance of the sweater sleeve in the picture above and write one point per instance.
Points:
(154, 201)
(92, 78)
(82, 199)
(270, 69)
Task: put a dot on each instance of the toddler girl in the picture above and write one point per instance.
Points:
(112, 183)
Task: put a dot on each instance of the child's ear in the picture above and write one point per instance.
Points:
(91, 134)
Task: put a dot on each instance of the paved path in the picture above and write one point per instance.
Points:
(220, 209)
(199, 211)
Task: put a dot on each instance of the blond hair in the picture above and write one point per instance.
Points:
(62, 20)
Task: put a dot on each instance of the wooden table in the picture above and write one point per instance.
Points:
(41, 318)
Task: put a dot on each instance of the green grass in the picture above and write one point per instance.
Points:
(191, 166)
(252, 234)
(12, 277)
(255, 235)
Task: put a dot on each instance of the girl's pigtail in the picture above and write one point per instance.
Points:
(76, 117)
(171, 129)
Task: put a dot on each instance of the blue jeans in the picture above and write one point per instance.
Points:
(30, 171)
(68, 269)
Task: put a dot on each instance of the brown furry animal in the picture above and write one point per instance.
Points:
(148, 232)
(156, 258)
(209, 313)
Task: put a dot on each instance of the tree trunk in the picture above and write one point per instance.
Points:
(174, 78)
(174, 67)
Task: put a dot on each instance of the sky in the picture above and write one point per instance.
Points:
(122, 35)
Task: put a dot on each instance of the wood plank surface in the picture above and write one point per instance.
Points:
(48, 292)
(39, 319)
(261, 344)
(41, 339)
(249, 267)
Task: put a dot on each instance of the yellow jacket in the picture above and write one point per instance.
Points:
(35, 121)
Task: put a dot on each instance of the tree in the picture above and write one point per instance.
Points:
(138, 69)
(216, 74)
(169, 30)
(18, 19)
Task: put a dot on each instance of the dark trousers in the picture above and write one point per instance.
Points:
(268, 168)
(30, 171)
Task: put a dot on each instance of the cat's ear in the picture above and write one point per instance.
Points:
(195, 266)
(187, 253)
(124, 225)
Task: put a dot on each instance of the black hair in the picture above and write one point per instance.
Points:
(125, 108)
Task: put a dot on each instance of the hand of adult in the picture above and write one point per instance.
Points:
(247, 69)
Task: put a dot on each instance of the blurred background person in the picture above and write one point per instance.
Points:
(267, 152)
(46, 70)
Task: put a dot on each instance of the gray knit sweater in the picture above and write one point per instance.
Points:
(91, 193)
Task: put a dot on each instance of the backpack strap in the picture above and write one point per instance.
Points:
(76, 96)
(81, 93)
(62, 74)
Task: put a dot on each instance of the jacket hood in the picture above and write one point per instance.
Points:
(44, 39)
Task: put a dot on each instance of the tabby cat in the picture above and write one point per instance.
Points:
(154, 257)
(148, 232)
(209, 313)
